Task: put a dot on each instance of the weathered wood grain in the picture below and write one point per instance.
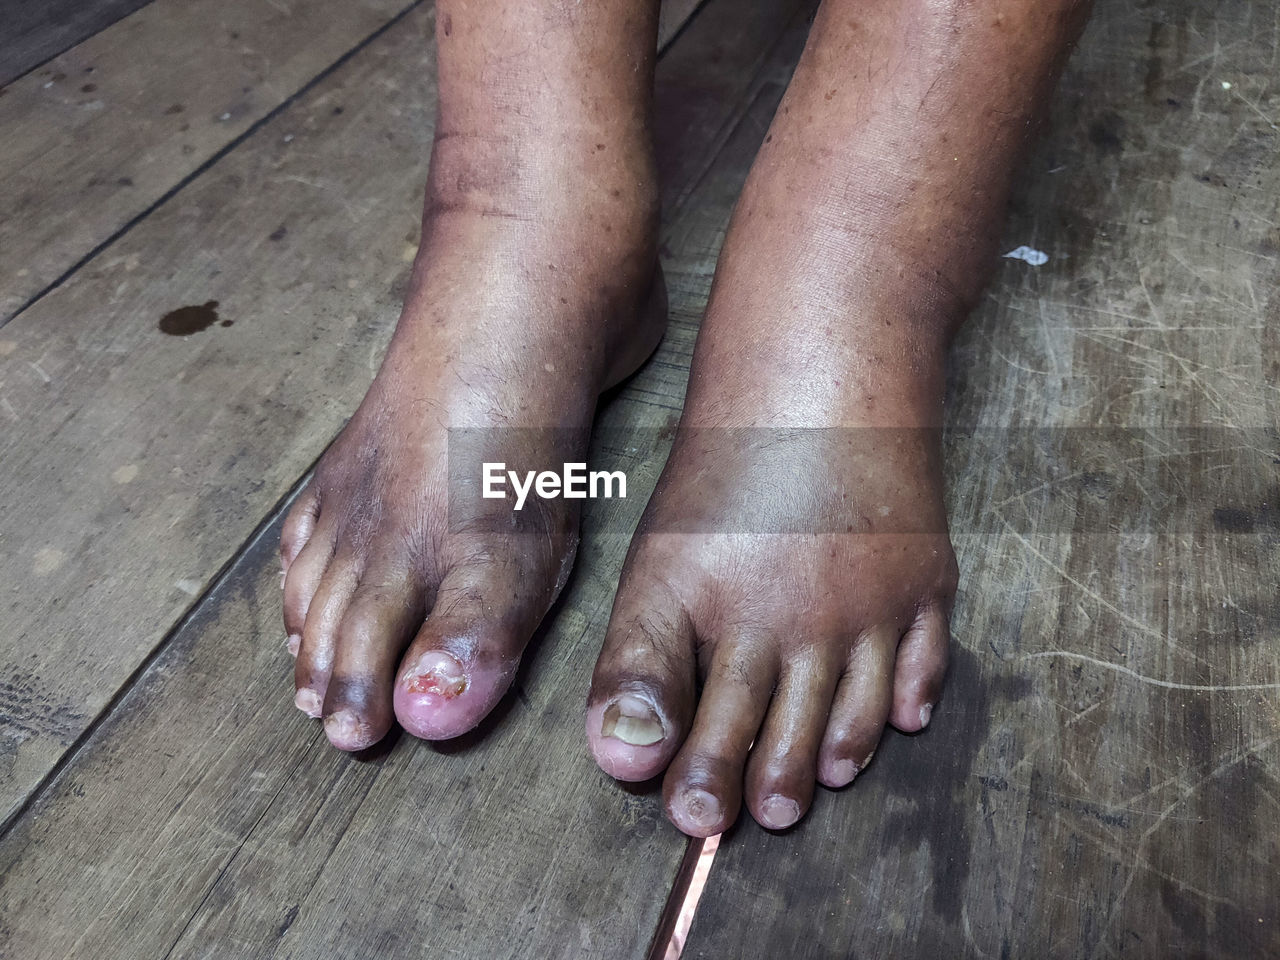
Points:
(96, 136)
(1103, 777)
(203, 815)
(34, 32)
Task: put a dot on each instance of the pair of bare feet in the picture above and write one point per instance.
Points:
(747, 661)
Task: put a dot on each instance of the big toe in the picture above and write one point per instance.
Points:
(466, 654)
(642, 690)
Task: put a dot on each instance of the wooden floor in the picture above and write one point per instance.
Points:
(1103, 777)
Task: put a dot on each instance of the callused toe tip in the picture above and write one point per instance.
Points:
(632, 721)
(699, 809)
(345, 731)
(294, 643)
(778, 812)
(925, 713)
(308, 701)
(843, 772)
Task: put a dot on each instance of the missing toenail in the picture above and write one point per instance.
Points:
(308, 701)
(294, 643)
(632, 721)
(925, 712)
(702, 809)
(439, 674)
(779, 812)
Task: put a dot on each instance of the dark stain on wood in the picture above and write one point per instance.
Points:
(185, 321)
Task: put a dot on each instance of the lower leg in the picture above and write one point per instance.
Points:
(862, 238)
(528, 297)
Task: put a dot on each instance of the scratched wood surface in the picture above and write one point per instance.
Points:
(96, 136)
(1102, 776)
(201, 814)
(34, 32)
(146, 460)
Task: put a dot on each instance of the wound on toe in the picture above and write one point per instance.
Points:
(441, 682)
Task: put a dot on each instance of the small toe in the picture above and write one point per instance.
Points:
(319, 634)
(859, 710)
(783, 764)
(643, 688)
(379, 622)
(299, 525)
(920, 670)
(301, 581)
(703, 786)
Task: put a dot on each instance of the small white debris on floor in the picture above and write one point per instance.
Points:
(1226, 84)
(47, 560)
(190, 587)
(1037, 258)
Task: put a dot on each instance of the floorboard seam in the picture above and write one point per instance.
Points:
(182, 184)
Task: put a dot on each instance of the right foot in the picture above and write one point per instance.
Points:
(535, 288)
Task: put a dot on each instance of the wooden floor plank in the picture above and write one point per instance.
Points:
(1102, 776)
(34, 32)
(203, 810)
(97, 135)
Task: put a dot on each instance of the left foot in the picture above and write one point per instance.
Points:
(794, 557)
(812, 617)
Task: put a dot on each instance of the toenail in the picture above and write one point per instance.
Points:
(437, 673)
(925, 712)
(701, 808)
(632, 721)
(293, 642)
(843, 772)
(308, 701)
(779, 812)
(342, 727)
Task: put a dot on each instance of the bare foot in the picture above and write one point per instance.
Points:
(789, 590)
(535, 288)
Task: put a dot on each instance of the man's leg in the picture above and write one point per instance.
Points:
(863, 237)
(535, 287)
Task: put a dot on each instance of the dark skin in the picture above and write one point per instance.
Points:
(747, 663)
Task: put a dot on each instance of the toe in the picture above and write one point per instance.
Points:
(783, 764)
(859, 710)
(384, 611)
(642, 690)
(301, 582)
(920, 669)
(319, 633)
(703, 786)
(465, 655)
(299, 525)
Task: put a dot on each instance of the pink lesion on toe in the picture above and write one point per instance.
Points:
(438, 674)
(447, 687)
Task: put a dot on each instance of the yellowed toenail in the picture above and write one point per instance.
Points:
(779, 812)
(437, 673)
(632, 721)
(925, 712)
(293, 642)
(701, 807)
(308, 701)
